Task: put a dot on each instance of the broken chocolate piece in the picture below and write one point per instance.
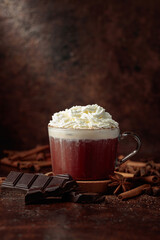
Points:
(59, 185)
(70, 186)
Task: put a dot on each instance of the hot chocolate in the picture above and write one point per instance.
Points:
(83, 142)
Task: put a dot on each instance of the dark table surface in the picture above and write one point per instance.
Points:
(137, 218)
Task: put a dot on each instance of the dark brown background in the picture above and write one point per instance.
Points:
(55, 54)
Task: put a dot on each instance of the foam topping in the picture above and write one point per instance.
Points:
(83, 117)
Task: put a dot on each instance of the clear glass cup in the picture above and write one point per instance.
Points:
(86, 154)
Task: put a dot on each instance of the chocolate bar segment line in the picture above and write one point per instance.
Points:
(26, 181)
(58, 186)
(41, 182)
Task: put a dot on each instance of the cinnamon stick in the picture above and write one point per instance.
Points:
(36, 165)
(130, 169)
(22, 155)
(151, 179)
(40, 156)
(126, 175)
(139, 164)
(133, 192)
(10, 163)
(10, 154)
(134, 164)
(28, 158)
(32, 166)
(44, 163)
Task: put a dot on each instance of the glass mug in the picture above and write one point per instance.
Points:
(86, 154)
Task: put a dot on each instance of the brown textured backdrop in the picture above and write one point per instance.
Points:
(59, 53)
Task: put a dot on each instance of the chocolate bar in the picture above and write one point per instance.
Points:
(55, 188)
(38, 186)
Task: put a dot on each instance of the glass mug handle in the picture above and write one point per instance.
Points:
(138, 141)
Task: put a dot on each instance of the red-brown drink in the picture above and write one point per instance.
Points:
(84, 154)
(83, 142)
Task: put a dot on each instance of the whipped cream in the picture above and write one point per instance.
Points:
(83, 117)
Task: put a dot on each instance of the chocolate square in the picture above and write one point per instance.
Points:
(26, 181)
(12, 179)
(54, 188)
(41, 182)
